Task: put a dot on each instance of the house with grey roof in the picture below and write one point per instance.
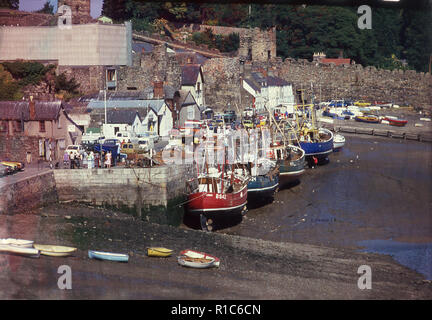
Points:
(155, 114)
(192, 80)
(43, 128)
(269, 91)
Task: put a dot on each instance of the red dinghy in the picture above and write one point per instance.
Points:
(393, 121)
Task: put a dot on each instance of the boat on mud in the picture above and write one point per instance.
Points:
(17, 242)
(316, 142)
(196, 259)
(217, 194)
(368, 118)
(394, 121)
(264, 180)
(119, 257)
(338, 142)
(291, 161)
(54, 250)
(159, 252)
(25, 251)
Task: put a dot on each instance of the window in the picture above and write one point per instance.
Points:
(198, 87)
(3, 126)
(41, 126)
(268, 54)
(18, 126)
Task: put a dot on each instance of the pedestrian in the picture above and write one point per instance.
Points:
(90, 160)
(78, 160)
(65, 159)
(72, 160)
(108, 159)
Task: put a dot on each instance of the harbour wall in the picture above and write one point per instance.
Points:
(155, 194)
(28, 193)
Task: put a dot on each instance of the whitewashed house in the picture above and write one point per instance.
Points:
(193, 81)
(121, 121)
(159, 117)
(273, 92)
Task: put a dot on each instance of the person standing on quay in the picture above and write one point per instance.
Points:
(108, 159)
(72, 160)
(65, 159)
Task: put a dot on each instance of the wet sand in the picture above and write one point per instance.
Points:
(305, 245)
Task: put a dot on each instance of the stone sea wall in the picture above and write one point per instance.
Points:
(27, 194)
(153, 193)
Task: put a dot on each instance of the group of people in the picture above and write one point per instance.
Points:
(91, 159)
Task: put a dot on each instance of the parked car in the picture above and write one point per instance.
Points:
(14, 165)
(129, 148)
(5, 170)
(75, 149)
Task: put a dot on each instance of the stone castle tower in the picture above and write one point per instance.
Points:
(80, 10)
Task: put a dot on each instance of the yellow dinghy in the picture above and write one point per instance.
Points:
(54, 250)
(159, 252)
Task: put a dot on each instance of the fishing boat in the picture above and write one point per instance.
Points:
(54, 250)
(394, 121)
(17, 242)
(369, 118)
(159, 252)
(217, 194)
(264, 179)
(19, 250)
(120, 257)
(316, 142)
(196, 259)
(338, 142)
(291, 161)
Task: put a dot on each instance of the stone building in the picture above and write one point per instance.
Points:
(42, 128)
(80, 10)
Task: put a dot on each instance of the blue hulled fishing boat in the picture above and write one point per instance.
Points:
(291, 161)
(264, 180)
(316, 143)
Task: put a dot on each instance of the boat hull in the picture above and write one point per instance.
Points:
(263, 186)
(319, 149)
(55, 251)
(159, 252)
(108, 256)
(367, 119)
(396, 123)
(217, 203)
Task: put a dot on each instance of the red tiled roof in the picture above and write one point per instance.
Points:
(337, 61)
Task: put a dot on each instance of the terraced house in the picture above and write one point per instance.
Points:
(42, 128)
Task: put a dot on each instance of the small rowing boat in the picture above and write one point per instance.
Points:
(120, 257)
(19, 250)
(159, 252)
(54, 250)
(338, 142)
(394, 121)
(370, 118)
(196, 259)
(17, 242)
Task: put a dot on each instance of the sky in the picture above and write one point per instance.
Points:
(33, 5)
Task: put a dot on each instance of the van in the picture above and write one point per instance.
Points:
(124, 136)
(129, 148)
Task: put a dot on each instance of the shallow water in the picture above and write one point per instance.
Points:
(374, 188)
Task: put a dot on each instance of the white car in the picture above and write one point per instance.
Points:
(75, 149)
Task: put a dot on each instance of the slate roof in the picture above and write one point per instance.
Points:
(155, 104)
(190, 74)
(20, 110)
(257, 81)
(122, 116)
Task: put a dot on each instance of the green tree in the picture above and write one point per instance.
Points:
(9, 88)
(10, 4)
(47, 8)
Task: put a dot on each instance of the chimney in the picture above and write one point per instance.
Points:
(32, 109)
(158, 92)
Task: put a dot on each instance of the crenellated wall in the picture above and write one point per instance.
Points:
(224, 77)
